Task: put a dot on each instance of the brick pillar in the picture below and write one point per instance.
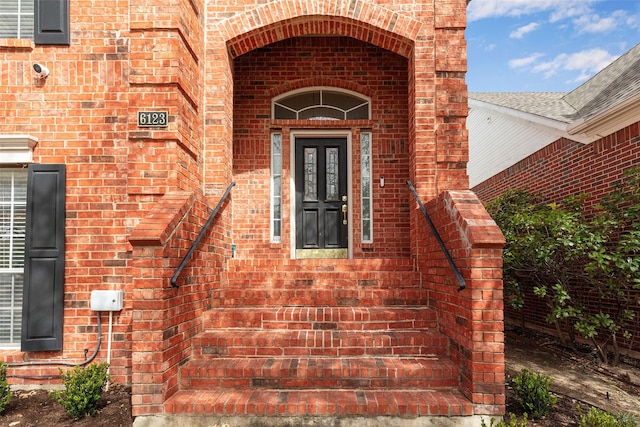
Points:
(450, 50)
(218, 117)
(471, 318)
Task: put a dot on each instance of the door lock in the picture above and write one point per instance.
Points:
(344, 213)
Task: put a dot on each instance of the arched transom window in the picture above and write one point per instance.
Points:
(321, 104)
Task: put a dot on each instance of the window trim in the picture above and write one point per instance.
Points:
(16, 149)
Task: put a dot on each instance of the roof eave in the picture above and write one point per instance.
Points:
(607, 122)
(554, 126)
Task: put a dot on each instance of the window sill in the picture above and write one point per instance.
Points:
(17, 44)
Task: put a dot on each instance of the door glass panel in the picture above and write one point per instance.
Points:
(332, 177)
(310, 174)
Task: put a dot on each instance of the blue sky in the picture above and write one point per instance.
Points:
(545, 45)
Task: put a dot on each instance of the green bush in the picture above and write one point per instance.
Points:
(569, 257)
(513, 422)
(82, 389)
(627, 420)
(598, 418)
(5, 393)
(532, 390)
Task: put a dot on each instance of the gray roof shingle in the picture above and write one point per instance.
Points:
(544, 104)
(616, 83)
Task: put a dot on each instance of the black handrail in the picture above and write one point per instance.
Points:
(447, 255)
(205, 227)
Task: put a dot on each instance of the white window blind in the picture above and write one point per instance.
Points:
(13, 202)
(16, 19)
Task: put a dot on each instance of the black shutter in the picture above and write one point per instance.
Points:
(43, 297)
(51, 22)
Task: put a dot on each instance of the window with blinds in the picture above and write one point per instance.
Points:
(16, 19)
(13, 201)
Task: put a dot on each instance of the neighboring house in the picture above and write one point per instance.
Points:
(558, 144)
(319, 288)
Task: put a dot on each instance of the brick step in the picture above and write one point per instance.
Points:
(319, 280)
(322, 279)
(322, 318)
(317, 274)
(333, 343)
(372, 266)
(252, 401)
(299, 373)
(255, 295)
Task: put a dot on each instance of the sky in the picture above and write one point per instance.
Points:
(545, 45)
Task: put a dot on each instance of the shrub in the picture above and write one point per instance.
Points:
(627, 420)
(598, 418)
(532, 391)
(513, 422)
(572, 257)
(82, 389)
(5, 393)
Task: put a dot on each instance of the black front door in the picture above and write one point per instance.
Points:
(321, 197)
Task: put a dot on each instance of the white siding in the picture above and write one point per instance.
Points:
(498, 141)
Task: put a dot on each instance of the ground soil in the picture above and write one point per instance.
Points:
(34, 408)
(578, 382)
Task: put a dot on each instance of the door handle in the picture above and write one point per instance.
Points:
(344, 214)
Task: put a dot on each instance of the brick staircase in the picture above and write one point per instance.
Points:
(320, 338)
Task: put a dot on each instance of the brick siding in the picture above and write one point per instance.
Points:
(561, 169)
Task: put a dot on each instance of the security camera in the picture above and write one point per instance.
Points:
(41, 71)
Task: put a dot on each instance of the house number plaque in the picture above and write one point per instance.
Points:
(153, 119)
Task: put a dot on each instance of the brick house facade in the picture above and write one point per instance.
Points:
(254, 94)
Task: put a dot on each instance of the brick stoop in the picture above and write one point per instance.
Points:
(320, 338)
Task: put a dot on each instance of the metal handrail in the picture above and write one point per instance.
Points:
(447, 255)
(205, 227)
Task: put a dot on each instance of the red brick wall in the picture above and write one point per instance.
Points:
(126, 57)
(79, 114)
(567, 167)
(321, 61)
(472, 318)
(559, 170)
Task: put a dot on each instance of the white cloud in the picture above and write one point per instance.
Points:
(587, 62)
(593, 23)
(559, 9)
(520, 32)
(592, 60)
(569, 9)
(524, 62)
(550, 68)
